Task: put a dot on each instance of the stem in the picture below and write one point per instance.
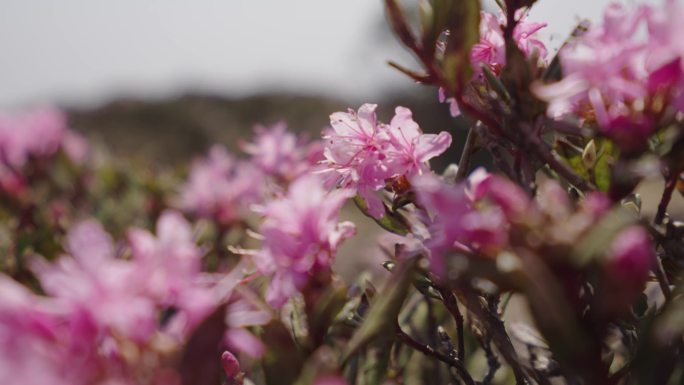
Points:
(468, 149)
(432, 352)
(452, 306)
(662, 280)
(670, 184)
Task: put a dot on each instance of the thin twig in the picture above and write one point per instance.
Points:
(670, 185)
(452, 306)
(544, 152)
(432, 352)
(662, 279)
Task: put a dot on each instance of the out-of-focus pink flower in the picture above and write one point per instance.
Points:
(240, 340)
(92, 278)
(508, 196)
(220, 187)
(301, 236)
(281, 153)
(36, 133)
(613, 72)
(75, 147)
(364, 154)
(456, 221)
(631, 256)
(170, 264)
(38, 344)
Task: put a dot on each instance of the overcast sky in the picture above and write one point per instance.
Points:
(84, 52)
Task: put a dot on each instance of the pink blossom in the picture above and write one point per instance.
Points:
(36, 133)
(111, 290)
(355, 151)
(631, 256)
(240, 340)
(456, 221)
(220, 187)
(614, 70)
(364, 154)
(301, 236)
(171, 265)
(410, 150)
(282, 154)
(231, 366)
(75, 147)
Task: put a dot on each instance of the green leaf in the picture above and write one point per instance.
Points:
(391, 221)
(381, 319)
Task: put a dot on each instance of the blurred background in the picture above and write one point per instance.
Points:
(163, 79)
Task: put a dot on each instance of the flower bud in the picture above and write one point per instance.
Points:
(625, 271)
(631, 256)
(230, 364)
(589, 155)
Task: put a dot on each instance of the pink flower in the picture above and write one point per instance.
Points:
(36, 133)
(111, 290)
(614, 71)
(282, 154)
(231, 366)
(240, 340)
(631, 256)
(301, 236)
(75, 147)
(364, 154)
(221, 188)
(170, 264)
(456, 221)
(410, 149)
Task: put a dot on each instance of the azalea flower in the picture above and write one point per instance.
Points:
(281, 153)
(220, 187)
(301, 234)
(364, 154)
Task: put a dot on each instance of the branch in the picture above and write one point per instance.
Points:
(452, 306)
(432, 352)
(670, 185)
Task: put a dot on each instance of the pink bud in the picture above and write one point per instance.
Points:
(631, 256)
(230, 364)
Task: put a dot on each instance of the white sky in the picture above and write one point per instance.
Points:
(84, 52)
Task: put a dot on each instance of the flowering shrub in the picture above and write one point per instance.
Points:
(542, 270)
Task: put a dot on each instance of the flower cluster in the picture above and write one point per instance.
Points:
(366, 155)
(490, 216)
(623, 73)
(105, 310)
